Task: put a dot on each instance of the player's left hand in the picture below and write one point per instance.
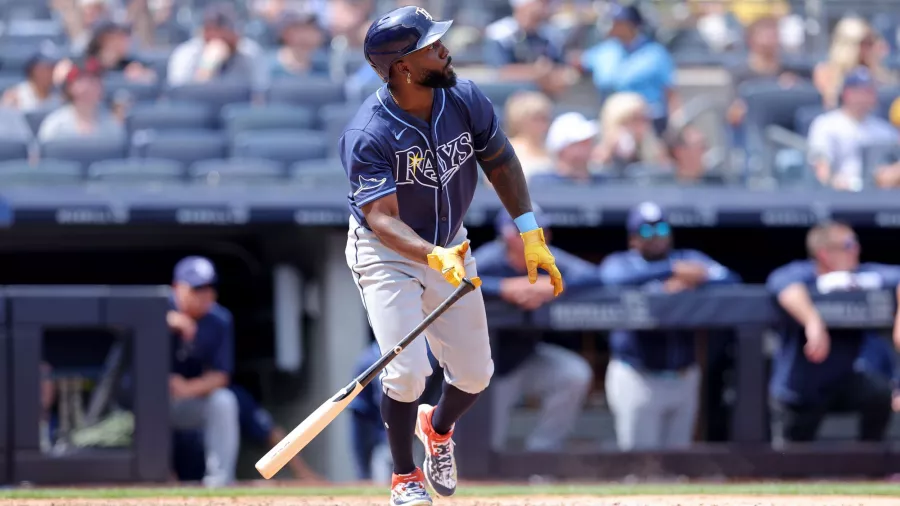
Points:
(537, 255)
(451, 263)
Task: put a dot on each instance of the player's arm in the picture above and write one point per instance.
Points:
(504, 171)
(383, 216)
(374, 191)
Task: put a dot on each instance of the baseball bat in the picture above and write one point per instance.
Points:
(297, 439)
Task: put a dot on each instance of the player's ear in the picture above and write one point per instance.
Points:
(401, 68)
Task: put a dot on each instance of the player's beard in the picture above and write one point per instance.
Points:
(439, 79)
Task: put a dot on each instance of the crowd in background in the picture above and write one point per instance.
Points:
(91, 68)
(814, 104)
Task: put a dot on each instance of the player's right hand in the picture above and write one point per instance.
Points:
(818, 341)
(450, 262)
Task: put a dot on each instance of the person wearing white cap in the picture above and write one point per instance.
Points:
(570, 142)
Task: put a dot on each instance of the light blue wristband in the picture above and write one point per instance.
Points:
(526, 222)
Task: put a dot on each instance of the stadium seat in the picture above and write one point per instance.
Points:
(8, 80)
(184, 146)
(84, 150)
(309, 91)
(236, 170)
(804, 117)
(334, 117)
(238, 118)
(886, 98)
(214, 94)
(169, 115)
(116, 86)
(285, 146)
(878, 155)
(13, 150)
(35, 117)
(499, 91)
(320, 171)
(769, 103)
(136, 170)
(42, 173)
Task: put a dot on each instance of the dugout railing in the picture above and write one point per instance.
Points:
(136, 315)
(748, 310)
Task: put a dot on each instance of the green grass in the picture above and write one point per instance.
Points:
(811, 488)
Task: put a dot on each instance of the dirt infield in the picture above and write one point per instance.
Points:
(670, 500)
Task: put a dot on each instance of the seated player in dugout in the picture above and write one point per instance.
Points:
(653, 380)
(813, 371)
(523, 364)
(202, 334)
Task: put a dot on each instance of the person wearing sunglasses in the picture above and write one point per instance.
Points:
(815, 371)
(653, 381)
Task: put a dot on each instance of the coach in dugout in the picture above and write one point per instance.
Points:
(653, 380)
(202, 364)
(813, 372)
(524, 365)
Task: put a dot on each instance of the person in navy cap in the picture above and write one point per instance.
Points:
(37, 90)
(202, 365)
(629, 60)
(653, 381)
(837, 138)
(524, 365)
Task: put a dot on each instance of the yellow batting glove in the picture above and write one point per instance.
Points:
(537, 255)
(451, 263)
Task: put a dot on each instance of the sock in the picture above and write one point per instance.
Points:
(453, 404)
(400, 419)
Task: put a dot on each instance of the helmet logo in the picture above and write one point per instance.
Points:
(424, 13)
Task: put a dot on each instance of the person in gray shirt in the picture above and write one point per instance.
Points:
(218, 52)
(84, 114)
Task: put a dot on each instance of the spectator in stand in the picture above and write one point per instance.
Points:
(813, 371)
(653, 380)
(110, 46)
(853, 44)
(527, 119)
(879, 358)
(631, 61)
(688, 148)
(763, 62)
(837, 138)
(38, 90)
(570, 142)
(84, 114)
(219, 52)
(79, 16)
(525, 365)
(300, 47)
(627, 133)
(202, 365)
(526, 47)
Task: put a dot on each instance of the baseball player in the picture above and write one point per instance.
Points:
(411, 155)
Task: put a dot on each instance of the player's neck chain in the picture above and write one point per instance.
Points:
(393, 97)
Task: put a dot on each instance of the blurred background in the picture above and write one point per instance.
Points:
(193, 143)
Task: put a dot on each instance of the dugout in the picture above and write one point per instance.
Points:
(249, 255)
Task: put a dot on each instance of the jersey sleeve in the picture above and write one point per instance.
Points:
(486, 132)
(370, 174)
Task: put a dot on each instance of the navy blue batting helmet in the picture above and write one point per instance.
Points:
(399, 33)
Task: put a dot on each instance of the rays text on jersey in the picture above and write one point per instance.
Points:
(417, 165)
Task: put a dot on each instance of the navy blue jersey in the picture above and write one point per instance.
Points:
(432, 168)
(796, 380)
(662, 350)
